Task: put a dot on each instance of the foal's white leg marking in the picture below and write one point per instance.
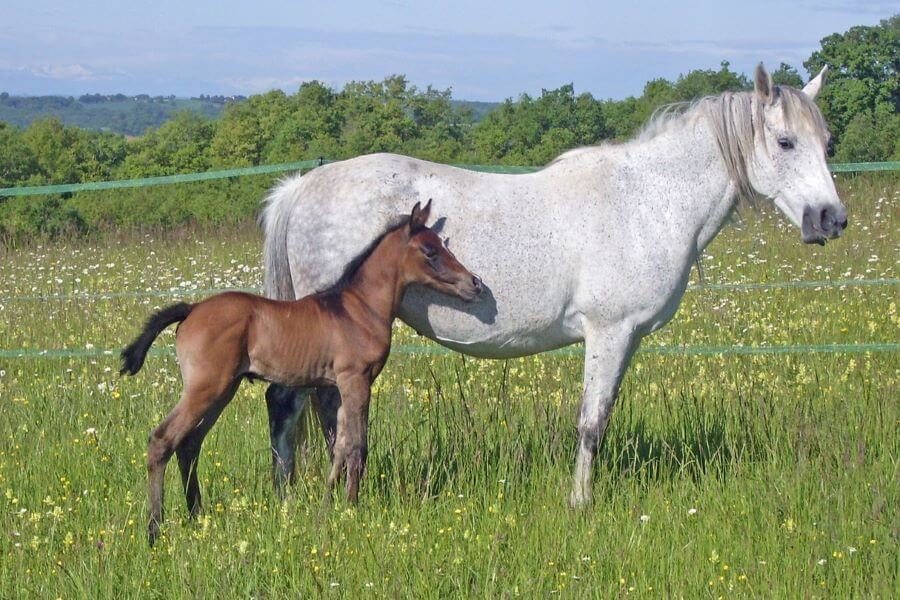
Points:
(606, 356)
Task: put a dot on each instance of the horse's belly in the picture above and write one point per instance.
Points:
(489, 327)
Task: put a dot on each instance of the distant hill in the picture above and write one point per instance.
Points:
(133, 115)
(479, 109)
(130, 115)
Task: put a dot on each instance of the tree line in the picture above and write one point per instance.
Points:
(860, 102)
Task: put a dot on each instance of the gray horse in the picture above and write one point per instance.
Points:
(595, 247)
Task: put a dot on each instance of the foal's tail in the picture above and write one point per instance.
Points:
(134, 354)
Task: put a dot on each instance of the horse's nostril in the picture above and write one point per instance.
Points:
(844, 224)
(476, 281)
(826, 219)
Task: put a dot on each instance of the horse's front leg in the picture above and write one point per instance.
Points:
(606, 355)
(351, 447)
(285, 406)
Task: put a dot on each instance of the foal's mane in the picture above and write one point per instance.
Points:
(735, 119)
(356, 262)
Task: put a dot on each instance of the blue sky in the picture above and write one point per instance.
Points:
(482, 50)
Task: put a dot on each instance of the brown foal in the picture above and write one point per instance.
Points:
(341, 336)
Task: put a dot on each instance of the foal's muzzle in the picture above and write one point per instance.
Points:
(822, 223)
(472, 291)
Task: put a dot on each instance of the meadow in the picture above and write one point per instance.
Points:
(720, 475)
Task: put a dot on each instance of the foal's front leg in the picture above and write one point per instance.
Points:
(351, 447)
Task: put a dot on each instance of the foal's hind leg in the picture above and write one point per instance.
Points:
(188, 451)
(196, 401)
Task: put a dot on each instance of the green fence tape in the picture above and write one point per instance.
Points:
(864, 167)
(773, 285)
(434, 350)
(119, 295)
(40, 190)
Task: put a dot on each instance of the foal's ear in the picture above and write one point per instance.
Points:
(763, 84)
(419, 216)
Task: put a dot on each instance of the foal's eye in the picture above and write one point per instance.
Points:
(430, 253)
(785, 143)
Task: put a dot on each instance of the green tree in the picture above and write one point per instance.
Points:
(376, 118)
(311, 128)
(534, 131)
(706, 82)
(871, 136)
(55, 148)
(785, 74)
(179, 146)
(863, 83)
(247, 128)
(18, 163)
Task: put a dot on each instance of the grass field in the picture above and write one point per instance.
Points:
(764, 476)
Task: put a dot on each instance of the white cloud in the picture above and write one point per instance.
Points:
(77, 72)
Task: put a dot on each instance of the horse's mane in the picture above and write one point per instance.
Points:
(731, 117)
(356, 262)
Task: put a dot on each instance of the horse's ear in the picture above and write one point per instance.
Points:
(763, 84)
(419, 216)
(812, 88)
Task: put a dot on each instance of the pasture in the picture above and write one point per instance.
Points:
(771, 475)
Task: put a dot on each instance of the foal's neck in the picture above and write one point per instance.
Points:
(379, 283)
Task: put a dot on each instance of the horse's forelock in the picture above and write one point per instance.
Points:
(801, 112)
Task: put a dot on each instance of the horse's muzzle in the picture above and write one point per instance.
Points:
(822, 223)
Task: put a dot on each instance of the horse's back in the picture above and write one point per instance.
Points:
(338, 209)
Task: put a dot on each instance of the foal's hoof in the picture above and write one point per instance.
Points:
(152, 532)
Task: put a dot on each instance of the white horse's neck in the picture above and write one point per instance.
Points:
(685, 184)
(696, 193)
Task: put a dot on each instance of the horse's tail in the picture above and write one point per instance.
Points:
(134, 354)
(275, 219)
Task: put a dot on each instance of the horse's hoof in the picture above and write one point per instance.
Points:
(579, 500)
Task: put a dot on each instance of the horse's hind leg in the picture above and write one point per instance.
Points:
(327, 401)
(195, 402)
(285, 406)
(188, 451)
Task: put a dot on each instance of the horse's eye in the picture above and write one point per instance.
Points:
(785, 143)
(430, 253)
